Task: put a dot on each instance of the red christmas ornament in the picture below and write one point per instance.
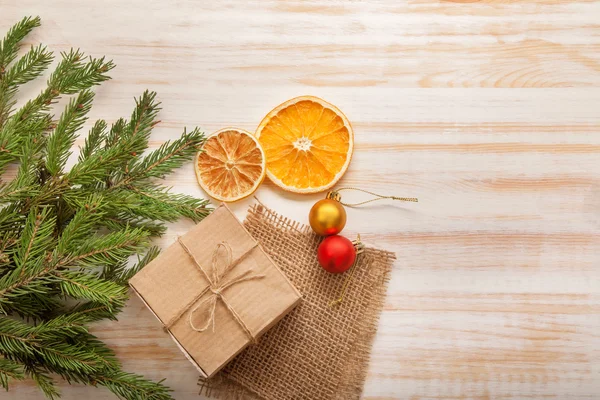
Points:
(336, 254)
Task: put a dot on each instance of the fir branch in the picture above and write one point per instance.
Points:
(31, 65)
(88, 361)
(129, 386)
(169, 206)
(94, 140)
(94, 251)
(168, 157)
(87, 215)
(99, 165)
(93, 311)
(7, 240)
(116, 132)
(143, 116)
(150, 255)
(15, 191)
(15, 338)
(34, 302)
(47, 340)
(123, 274)
(63, 326)
(10, 370)
(28, 67)
(100, 250)
(29, 253)
(11, 223)
(138, 129)
(25, 183)
(9, 47)
(69, 234)
(88, 287)
(73, 75)
(63, 137)
(70, 357)
(107, 249)
(120, 220)
(44, 382)
(101, 349)
(31, 298)
(135, 133)
(14, 135)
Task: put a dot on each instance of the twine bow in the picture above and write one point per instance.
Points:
(216, 287)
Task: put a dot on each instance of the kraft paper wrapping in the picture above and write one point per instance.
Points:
(171, 282)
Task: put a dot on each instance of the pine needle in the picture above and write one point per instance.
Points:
(10, 370)
(63, 137)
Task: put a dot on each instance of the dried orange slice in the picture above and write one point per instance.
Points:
(230, 165)
(308, 143)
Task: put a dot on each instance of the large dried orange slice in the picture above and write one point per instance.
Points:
(230, 165)
(308, 144)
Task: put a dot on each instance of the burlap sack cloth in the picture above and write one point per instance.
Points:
(316, 352)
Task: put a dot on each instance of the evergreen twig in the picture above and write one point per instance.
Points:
(67, 234)
(61, 140)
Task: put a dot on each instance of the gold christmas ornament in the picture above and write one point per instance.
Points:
(327, 216)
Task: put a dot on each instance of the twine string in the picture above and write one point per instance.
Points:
(216, 288)
(377, 197)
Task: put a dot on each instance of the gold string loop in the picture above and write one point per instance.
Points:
(335, 195)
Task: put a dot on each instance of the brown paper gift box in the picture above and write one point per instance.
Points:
(172, 283)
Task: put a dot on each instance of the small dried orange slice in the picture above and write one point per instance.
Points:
(308, 143)
(230, 165)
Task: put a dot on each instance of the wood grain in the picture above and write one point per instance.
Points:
(488, 111)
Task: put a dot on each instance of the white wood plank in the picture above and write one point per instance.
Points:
(487, 111)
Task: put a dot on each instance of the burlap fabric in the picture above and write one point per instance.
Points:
(316, 351)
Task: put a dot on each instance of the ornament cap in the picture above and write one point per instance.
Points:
(358, 245)
(334, 195)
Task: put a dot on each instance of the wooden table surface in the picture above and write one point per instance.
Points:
(488, 111)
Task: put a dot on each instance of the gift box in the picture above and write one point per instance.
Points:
(215, 291)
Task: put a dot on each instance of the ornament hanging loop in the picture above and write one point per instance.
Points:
(335, 195)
